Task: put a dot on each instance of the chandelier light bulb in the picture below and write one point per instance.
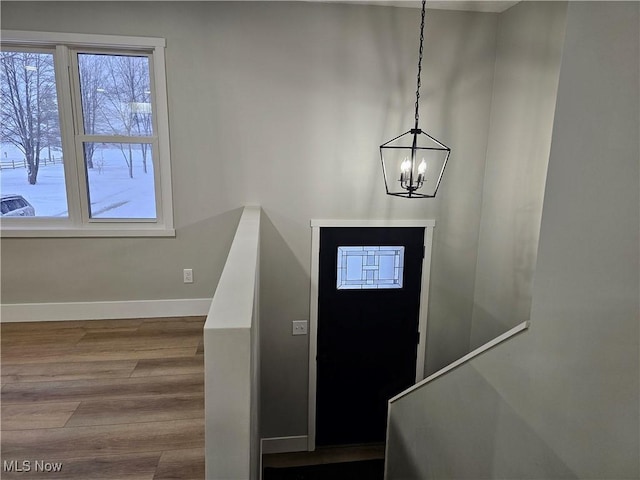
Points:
(421, 169)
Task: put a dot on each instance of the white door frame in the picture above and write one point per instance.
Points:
(316, 225)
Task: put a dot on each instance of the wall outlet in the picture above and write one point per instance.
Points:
(187, 275)
(299, 327)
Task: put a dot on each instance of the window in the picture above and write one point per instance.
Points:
(366, 268)
(84, 135)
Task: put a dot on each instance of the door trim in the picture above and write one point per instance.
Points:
(316, 225)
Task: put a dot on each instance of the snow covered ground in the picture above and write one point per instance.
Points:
(113, 194)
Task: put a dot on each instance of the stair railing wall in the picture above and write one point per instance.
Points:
(231, 351)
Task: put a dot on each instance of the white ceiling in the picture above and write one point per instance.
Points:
(496, 6)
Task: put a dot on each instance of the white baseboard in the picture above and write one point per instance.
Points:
(46, 312)
(284, 444)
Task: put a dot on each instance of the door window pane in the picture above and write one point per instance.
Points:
(370, 267)
(120, 180)
(31, 164)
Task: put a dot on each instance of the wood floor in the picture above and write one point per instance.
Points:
(324, 455)
(106, 399)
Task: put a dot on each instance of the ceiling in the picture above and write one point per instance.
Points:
(496, 6)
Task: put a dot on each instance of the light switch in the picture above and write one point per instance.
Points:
(299, 327)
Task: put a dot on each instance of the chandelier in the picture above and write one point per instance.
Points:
(413, 163)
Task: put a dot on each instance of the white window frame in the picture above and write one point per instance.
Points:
(78, 224)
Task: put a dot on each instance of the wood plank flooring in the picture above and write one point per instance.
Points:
(324, 455)
(107, 399)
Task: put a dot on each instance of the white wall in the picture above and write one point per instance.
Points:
(283, 105)
(232, 364)
(528, 53)
(561, 400)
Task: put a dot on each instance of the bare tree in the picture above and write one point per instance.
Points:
(143, 124)
(127, 108)
(92, 73)
(28, 105)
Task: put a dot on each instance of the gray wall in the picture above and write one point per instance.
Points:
(282, 105)
(528, 53)
(560, 400)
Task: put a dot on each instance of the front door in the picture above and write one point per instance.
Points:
(368, 309)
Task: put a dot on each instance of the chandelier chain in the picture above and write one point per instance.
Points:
(417, 115)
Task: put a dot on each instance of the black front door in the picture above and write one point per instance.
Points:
(368, 308)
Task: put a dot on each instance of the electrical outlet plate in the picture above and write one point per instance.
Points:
(187, 275)
(299, 327)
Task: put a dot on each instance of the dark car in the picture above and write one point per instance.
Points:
(16, 206)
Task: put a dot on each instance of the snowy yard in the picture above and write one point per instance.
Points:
(112, 193)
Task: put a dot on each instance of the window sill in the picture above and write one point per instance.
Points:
(86, 232)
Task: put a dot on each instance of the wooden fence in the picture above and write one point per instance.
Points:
(13, 163)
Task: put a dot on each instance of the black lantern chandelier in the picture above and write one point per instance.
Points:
(413, 163)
